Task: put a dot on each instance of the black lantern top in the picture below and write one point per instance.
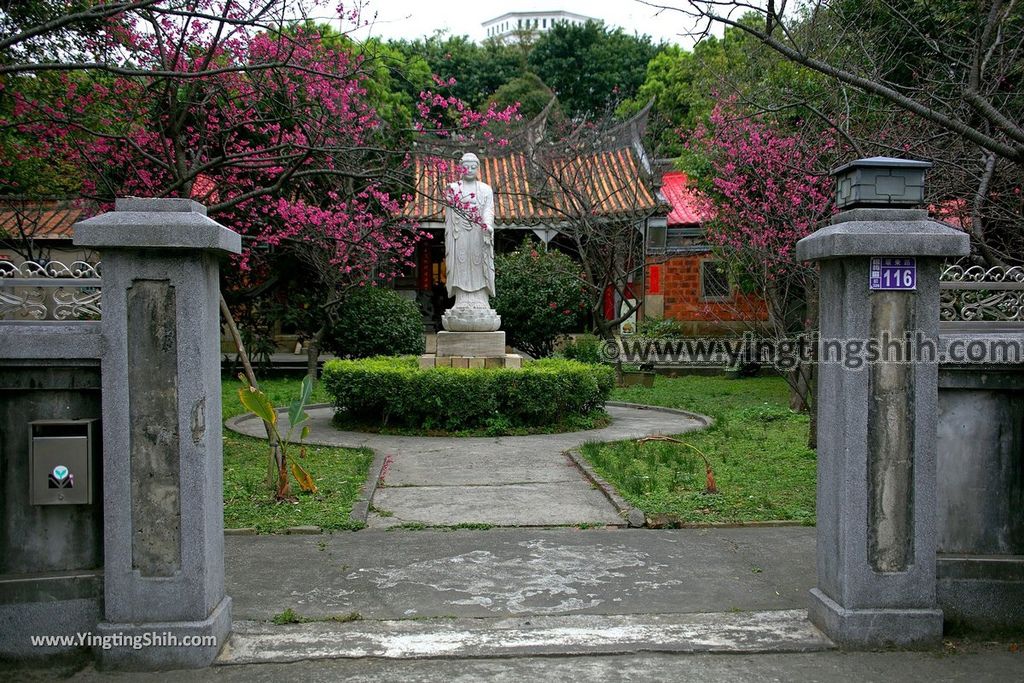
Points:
(880, 182)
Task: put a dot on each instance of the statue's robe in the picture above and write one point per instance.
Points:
(469, 247)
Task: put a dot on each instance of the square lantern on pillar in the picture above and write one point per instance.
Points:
(880, 182)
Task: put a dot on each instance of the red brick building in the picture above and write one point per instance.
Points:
(683, 279)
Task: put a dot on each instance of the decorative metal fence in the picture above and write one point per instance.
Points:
(51, 291)
(981, 296)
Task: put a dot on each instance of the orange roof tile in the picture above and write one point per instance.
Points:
(44, 219)
(607, 183)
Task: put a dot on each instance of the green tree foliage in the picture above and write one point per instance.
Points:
(686, 85)
(591, 66)
(479, 70)
(64, 40)
(529, 91)
(374, 321)
(395, 77)
(539, 297)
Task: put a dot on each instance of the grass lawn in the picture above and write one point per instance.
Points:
(339, 472)
(757, 448)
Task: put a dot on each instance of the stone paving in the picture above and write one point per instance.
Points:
(502, 573)
(499, 481)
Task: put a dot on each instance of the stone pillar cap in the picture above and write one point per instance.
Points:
(137, 223)
(891, 162)
(895, 237)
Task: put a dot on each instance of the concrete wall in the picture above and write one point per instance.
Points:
(980, 463)
(51, 557)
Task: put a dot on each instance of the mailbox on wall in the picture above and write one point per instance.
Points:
(63, 457)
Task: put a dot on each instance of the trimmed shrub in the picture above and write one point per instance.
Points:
(397, 392)
(585, 348)
(539, 297)
(375, 321)
(653, 327)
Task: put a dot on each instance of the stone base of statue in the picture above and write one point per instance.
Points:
(471, 350)
(471, 344)
(507, 360)
(471, 319)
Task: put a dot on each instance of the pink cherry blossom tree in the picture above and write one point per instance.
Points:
(225, 101)
(767, 186)
(272, 128)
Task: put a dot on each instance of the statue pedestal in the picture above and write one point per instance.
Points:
(471, 350)
(471, 344)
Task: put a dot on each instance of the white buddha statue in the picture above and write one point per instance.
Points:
(469, 252)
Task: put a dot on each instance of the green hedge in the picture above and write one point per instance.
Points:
(373, 321)
(395, 391)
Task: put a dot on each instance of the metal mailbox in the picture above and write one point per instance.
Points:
(62, 459)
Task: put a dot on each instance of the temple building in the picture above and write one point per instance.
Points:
(538, 191)
(546, 194)
(683, 280)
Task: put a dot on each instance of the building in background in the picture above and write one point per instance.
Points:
(512, 24)
(39, 230)
(543, 193)
(685, 282)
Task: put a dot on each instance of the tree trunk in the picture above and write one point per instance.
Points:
(276, 462)
(812, 436)
(313, 355)
(799, 388)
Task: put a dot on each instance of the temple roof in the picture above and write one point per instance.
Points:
(530, 192)
(47, 219)
(534, 184)
(687, 209)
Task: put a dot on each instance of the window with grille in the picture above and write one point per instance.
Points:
(714, 281)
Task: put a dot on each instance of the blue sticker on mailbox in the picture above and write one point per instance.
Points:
(61, 478)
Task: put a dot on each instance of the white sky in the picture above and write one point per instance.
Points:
(419, 18)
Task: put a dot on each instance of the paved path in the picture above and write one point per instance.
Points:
(971, 664)
(503, 573)
(501, 481)
(505, 600)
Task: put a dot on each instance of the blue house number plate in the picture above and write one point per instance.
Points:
(893, 273)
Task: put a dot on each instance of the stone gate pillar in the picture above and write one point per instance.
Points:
(162, 458)
(880, 264)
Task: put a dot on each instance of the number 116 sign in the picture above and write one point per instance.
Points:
(893, 273)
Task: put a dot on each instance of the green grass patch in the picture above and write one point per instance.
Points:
(757, 449)
(248, 501)
(290, 616)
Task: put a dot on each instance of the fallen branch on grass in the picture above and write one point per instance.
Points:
(709, 475)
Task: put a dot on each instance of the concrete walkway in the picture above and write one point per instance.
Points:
(500, 481)
(970, 663)
(609, 604)
(514, 592)
(501, 573)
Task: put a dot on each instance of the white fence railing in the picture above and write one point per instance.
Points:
(52, 290)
